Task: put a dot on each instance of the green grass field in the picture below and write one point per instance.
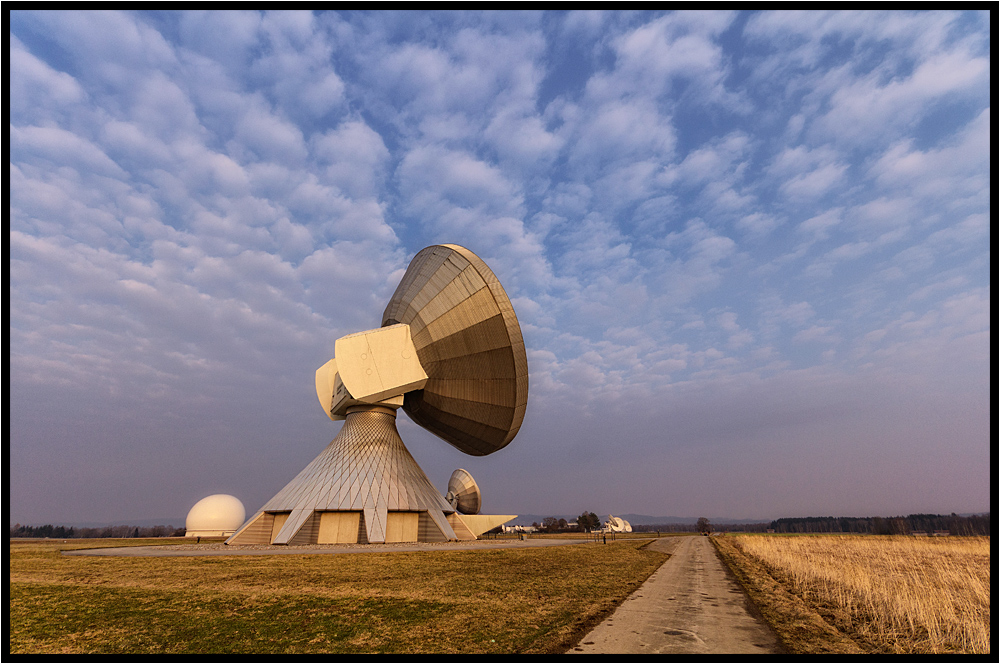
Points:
(538, 600)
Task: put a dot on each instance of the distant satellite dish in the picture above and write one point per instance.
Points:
(451, 354)
(617, 524)
(463, 492)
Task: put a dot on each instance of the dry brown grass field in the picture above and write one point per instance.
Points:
(537, 600)
(875, 594)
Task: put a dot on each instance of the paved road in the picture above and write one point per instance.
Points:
(691, 605)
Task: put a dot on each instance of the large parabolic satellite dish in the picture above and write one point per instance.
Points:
(451, 354)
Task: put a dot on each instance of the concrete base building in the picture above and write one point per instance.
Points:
(364, 488)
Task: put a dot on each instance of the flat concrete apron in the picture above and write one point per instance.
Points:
(691, 605)
(166, 551)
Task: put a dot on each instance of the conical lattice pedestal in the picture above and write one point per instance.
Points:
(364, 487)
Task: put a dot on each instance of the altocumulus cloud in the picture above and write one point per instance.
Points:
(749, 251)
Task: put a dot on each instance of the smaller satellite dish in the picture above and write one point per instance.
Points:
(463, 492)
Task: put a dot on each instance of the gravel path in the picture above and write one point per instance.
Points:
(690, 605)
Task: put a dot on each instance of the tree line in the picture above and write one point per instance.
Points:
(62, 532)
(588, 522)
(700, 527)
(585, 523)
(976, 524)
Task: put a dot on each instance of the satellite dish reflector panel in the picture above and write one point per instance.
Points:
(463, 492)
(469, 343)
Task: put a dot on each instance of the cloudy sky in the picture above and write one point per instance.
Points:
(750, 253)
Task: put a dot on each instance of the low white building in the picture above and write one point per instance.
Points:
(519, 529)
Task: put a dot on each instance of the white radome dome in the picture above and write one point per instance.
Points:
(218, 514)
